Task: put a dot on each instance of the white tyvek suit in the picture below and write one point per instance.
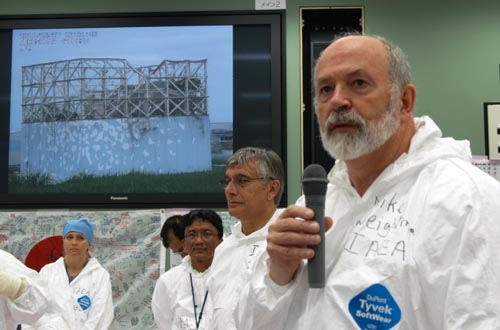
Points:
(85, 303)
(419, 250)
(31, 305)
(231, 270)
(172, 302)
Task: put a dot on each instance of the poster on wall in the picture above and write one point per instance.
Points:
(126, 243)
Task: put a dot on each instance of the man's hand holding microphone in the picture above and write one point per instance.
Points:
(299, 233)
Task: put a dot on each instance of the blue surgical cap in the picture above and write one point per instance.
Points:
(82, 226)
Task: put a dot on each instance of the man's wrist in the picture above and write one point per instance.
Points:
(282, 275)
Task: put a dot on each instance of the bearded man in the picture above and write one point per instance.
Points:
(412, 226)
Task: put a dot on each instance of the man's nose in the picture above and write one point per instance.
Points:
(340, 100)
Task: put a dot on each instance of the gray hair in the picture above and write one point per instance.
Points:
(269, 165)
(399, 66)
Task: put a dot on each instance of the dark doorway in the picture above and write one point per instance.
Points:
(320, 26)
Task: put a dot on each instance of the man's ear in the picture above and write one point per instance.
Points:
(275, 188)
(408, 97)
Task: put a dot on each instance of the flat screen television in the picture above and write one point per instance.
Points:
(135, 110)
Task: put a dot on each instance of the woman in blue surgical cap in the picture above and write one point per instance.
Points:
(79, 286)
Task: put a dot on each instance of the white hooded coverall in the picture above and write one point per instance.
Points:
(231, 270)
(172, 302)
(418, 251)
(31, 305)
(86, 303)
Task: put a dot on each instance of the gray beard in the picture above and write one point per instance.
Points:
(372, 135)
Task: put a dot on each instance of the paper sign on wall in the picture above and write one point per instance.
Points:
(270, 4)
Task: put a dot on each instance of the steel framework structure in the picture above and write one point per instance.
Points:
(102, 88)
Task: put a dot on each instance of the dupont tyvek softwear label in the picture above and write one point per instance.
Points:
(375, 309)
(84, 302)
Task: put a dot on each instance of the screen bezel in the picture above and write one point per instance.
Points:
(275, 21)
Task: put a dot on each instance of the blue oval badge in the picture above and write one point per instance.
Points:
(375, 309)
(85, 302)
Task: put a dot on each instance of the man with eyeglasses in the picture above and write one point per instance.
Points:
(180, 299)
(253, 185)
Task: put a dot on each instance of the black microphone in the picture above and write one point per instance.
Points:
(314, 184)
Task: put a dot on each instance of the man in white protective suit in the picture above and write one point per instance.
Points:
(412, 227)
(253, 184)
(22, 297)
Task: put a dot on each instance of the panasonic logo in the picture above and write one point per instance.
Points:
(119, 198)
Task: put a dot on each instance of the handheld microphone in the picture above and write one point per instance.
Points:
(314, 183)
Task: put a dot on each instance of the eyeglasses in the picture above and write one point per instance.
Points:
(240, 181)
(205, 235)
